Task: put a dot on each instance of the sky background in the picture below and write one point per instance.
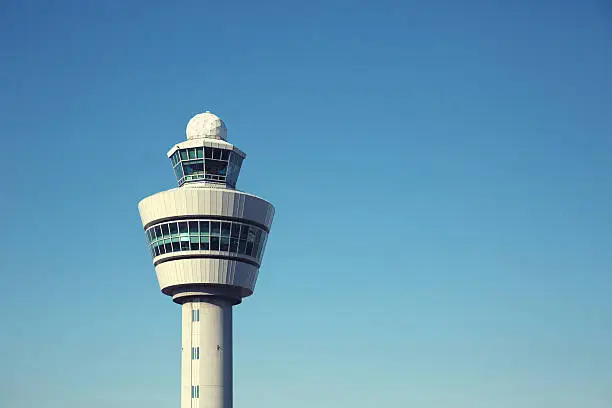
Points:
(441, 175)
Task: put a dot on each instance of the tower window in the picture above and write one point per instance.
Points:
(206, 235)
(195, 315)
(195, 353)
(195, 391)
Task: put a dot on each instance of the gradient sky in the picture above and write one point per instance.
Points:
(441, 174)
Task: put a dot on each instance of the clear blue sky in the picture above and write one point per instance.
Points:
(440, 169)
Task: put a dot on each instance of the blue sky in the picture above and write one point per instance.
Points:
(440, 170)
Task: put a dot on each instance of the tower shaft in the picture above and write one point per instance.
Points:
(206, 364)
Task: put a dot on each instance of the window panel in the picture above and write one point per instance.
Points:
(251, 236)
(235, 230)
(256, 244)
(204, 227)
(215, 228)
(225, 229)
(158, 232)
(214, 243)
(192, 154)
(225, 154)
(244, 232)
(184, 245)
(194, 243)
(262, 246)
(216, 167)
(193, 167)
(208, 152)
(204, 243)
(199, 153)
(173, 228)
(216, 154)
(178, 172)
(193, 227)
(242, 246)
(233, 245)
(183, 154)
(224, 243)
(165, 231)
(182, 227)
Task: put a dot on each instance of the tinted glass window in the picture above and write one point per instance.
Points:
(208, 152)
(225, 229)
(184, 245)
(194, 243)
(244, 232)
(214, 243)
(217, 154)
(233, 237)
(216, 167)
(165, 230)
(183, 155)
(193, 167)
(257, 241)
(242, 246)
(192, 153)
(235, 230)
(178, 172)
(204, 243)
(199, 153)
(225, 154)
(224, 243)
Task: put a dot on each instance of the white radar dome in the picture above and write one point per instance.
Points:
(206, 125)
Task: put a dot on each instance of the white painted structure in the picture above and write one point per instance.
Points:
(207, 241)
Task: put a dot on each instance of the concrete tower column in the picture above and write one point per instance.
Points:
(206, 364)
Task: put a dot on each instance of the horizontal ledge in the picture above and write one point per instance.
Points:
(205, 217)
(206, 256)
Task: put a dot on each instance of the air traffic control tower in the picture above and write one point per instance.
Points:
(207, 241)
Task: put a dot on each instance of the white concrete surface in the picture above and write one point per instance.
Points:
(212, 371)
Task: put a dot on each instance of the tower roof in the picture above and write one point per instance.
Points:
(206, 125)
